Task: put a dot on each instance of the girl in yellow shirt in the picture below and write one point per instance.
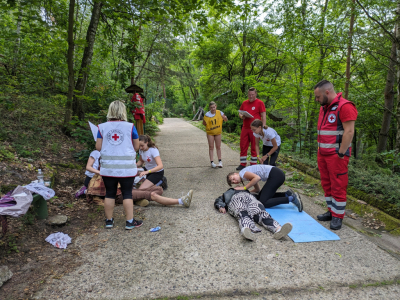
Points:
(213, 121)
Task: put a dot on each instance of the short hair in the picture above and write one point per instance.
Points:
(252, 89)
(117, 111)
(212, 103)
(324, 84)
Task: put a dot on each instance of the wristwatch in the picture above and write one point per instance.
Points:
(341, 155)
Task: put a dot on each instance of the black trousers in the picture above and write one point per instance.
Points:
(268, 195)
(272, 159)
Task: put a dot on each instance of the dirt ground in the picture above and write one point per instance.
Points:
(24, 250)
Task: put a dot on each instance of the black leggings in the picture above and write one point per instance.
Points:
(272, 159)
(111, 184)
(268, 195)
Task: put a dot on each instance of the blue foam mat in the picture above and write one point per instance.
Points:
(305, 228)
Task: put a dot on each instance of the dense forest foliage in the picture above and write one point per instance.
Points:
(79, 55)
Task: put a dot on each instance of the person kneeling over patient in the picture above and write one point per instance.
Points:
(248, 210)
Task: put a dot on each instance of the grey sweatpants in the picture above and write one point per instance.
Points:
(247, 210)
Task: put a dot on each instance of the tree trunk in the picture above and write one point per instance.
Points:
(314, 108)
(86, 61)
(397, 146)
(349, 44)
(70, 62)
(17, 43)
(389, 101)
(119, 60)
(244, 62)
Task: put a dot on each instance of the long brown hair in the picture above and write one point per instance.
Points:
(228, 179)
(258, 123)
(146, 139)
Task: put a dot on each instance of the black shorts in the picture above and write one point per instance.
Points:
(111, 184)
(155, 177)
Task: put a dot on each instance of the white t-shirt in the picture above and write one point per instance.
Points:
(260, 170)
(96, 155)
(148, 157)
(210, 115)
(269, 134)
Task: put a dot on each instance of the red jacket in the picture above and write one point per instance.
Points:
(330, 127)
(138, 113)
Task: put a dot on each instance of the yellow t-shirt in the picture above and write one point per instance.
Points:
(214, 124)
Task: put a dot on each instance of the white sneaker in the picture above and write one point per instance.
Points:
(246, 232)
(220, 164)
(284, 231)
(187, 199)
(213, 165)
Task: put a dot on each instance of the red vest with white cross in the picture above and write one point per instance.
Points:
(330, 127)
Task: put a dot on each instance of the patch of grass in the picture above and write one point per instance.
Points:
(69, 205)
(12, 244)
(323, 204)
(311, 192)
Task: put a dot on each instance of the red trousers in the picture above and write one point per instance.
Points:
(334, 180)
(247, 137)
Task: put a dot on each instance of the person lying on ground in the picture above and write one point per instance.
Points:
(242, 205)
(92, 167)
(274, 178)
(271, 142)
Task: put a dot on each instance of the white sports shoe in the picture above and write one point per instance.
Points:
(246, 232)
(187, 199)
(213, 165)
(284, 231)
(220, 164)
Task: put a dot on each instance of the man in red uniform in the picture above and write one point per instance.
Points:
(256, 108)
(336, 122)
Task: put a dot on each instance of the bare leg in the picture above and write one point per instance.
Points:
(146, 184)
(128, 207)
(218, 145)
(109, 204)
(210, 139)
(163, 200)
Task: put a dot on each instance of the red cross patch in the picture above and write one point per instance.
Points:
(148, 158)
(115, 137)
(332, 118)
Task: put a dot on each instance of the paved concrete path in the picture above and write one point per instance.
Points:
(199, 252)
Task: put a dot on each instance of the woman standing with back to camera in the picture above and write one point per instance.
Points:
(118, 141)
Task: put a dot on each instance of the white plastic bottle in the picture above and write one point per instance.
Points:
(40, 176)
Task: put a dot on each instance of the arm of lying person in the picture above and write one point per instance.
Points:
(220, 204)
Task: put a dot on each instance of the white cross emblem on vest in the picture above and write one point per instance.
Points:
(331, 118)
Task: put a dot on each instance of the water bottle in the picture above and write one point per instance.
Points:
(40, 176)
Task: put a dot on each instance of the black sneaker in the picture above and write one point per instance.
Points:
(297, 201)
(164, 184)
(336, 223)
(325, 217)
(289, 192)
(133, 224)
(110, 223)
(241, 167)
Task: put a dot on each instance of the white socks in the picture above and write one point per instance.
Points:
(180, 201)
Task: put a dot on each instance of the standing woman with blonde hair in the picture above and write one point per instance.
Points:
(213, 121)
(118, 141)
(271, 142)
